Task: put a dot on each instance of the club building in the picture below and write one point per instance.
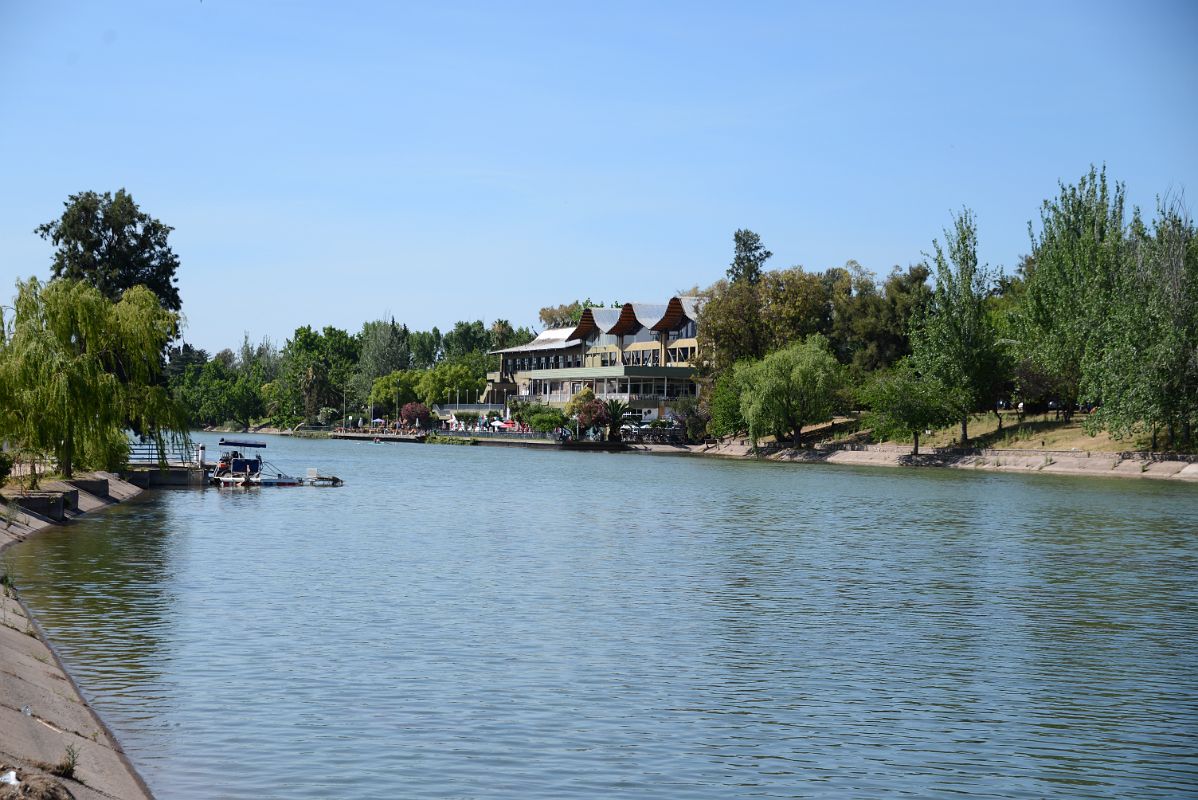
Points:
(640, 353)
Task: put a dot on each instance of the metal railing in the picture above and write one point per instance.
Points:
(495, 434)
(175, 454)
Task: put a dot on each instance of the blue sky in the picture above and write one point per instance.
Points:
(328, 163)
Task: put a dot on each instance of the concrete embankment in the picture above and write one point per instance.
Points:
(1049, 462)
(43, 716)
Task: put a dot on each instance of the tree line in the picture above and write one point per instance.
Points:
(1102, 315)
(321, 376)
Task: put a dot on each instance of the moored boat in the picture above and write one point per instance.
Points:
(236, 469)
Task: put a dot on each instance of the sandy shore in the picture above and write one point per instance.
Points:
(1049, 462)
(42, 711)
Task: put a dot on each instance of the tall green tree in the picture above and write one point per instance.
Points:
(1147, 371)
(385, 349)
(466, 337)
(748, 257)
(732, 326)
(317, 373)
(790, 389)
(953, 341)
(396, 390)
(1070, 282)
(724, 405)
(76, 368)
(426, 348)
(108, 242)
(450, 382)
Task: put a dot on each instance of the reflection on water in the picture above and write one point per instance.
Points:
(476, 622)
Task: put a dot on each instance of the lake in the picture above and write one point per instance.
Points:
(475, 622)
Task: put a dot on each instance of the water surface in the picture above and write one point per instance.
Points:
(491, 623)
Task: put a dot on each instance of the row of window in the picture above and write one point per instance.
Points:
(597, 339)
(635, 358)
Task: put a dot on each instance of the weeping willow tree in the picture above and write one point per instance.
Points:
(77, 371)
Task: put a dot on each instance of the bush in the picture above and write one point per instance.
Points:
(547, 419)
(6, 462)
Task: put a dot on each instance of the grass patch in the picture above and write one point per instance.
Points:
(65, 766)
(433, 438)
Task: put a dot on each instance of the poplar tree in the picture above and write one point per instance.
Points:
(1146, 374)
(1070, 285)
(953, 340)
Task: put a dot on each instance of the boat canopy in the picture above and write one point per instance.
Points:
(240, 443)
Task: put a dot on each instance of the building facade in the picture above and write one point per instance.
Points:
(640, 353)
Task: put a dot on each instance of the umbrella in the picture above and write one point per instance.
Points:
(378, 421)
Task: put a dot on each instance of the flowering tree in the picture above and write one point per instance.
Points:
(415, 414)
(592, 414)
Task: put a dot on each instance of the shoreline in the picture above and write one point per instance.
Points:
(42, 708)
(1050, 462)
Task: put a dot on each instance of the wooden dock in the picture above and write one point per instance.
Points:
(418, 438)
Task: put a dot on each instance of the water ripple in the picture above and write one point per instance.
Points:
(478, 623)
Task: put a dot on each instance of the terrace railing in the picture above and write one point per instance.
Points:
(177, 454)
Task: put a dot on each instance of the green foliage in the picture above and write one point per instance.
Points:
(615, 417)
(6, 465)
(216, 392)
(109, 243)
(732, 325)
(78, 368)
(545, 419)
(865, 325)
(449, 382)
(749, 256)
(502, 335)
(317, 372)
(903, 402)
(576, 403)
(466, 337)
(395, 390)
(726, 418)
(693, 415)
(385, 350)
(1075, 270)
(426, 348)
(1147, 372)
(567, 315)
(789, 389)
(953, 341)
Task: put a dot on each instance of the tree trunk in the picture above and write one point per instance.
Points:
(798, 436)
(68, 451)
(965, 431)
(915, 449)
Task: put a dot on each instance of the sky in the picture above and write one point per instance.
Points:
(332, 163)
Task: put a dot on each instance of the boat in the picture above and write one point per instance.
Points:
(237, 469)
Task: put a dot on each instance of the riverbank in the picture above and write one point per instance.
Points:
(44, 718)
(1051, 462)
